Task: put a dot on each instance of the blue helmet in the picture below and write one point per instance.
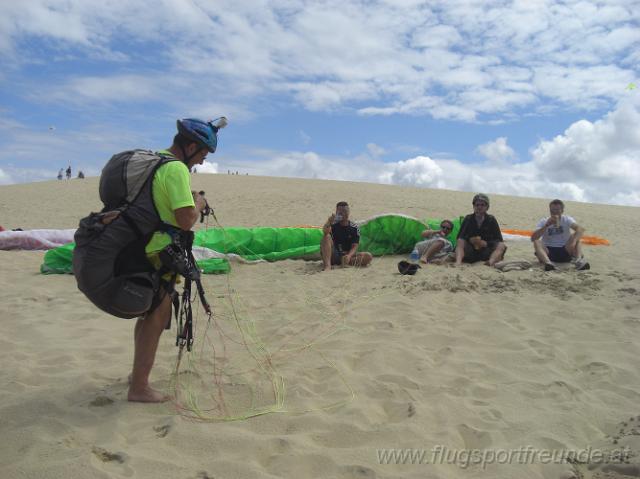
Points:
(204, 133)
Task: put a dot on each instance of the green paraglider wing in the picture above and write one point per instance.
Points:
(58, 260)
(381, 235)
(270, 244)
(396, 234)
(390, 234)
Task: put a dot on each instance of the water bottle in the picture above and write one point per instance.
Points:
(415, 255)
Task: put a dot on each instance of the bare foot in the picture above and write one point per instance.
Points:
(327, 268)
(146, 395)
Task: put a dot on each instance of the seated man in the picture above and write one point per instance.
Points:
(480, 238)
(436, 246)
(341, 239)
(554, 242)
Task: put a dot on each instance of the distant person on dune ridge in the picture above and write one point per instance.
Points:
(557, 239)
(339, 245)
(480, 238)
(69, 172)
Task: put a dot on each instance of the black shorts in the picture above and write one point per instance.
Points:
(558, 254)
(336, 256)
(167, 286)
(472, 255)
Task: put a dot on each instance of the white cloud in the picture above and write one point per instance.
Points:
(497, 151)
(604, 156)
(207, 167)
(461, 60)
(589, 162)
(418, 171)
(298, 164)
(375, 151)
(304, 137)
(5, 179)
(108, 89)
(436, 36)
(234, 112)
(11, 174)
(32, 153)
(454, 59)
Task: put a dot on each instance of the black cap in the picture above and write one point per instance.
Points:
(408, 268)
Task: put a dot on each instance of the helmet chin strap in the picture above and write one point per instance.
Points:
(187, 159)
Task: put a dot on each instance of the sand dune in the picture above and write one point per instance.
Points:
(450, 360)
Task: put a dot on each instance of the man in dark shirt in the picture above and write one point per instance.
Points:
(480, 238)
(341, 240)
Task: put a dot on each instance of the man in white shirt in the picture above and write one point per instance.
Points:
(557, 239)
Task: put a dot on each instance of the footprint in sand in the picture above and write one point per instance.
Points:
(491, 415)
(474, 438)
(628, 291)
(484, 391)
(401, 381)
(627, 470)
(596, 368)
(543, 351)
(101, 401)
(560, 390)
(356, 471)
(398, 411)
(106, 456)
(485, 411)
(163, 430)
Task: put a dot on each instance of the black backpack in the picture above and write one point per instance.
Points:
(109, 260)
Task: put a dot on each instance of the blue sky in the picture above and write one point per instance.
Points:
(516, 97)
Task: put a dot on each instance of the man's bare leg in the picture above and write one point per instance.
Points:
(497, 255)
(433, 249)
(146, 337)
(578, 250)
(449, 258)
(136, 333)
(361, 259)
(575, 251)
(460, 251)
(541, 252)
(326, 249)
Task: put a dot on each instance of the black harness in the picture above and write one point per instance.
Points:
(177, 258)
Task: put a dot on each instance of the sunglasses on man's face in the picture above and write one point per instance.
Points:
(445, 227)
(480, 204)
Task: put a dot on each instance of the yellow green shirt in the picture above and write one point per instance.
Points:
(171, 190)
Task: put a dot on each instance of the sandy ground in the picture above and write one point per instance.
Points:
(457, 360)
